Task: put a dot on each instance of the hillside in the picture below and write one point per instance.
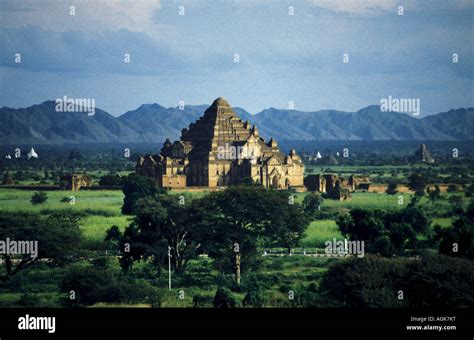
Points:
(41, 124)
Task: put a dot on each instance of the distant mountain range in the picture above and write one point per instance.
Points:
(151, 123)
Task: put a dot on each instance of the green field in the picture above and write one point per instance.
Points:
(319, 232)
(100, 202)
(103, 210)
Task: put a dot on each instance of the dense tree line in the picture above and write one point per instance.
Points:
(432, 280)
(385, 233)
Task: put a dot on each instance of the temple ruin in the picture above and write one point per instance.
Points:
(218, 150)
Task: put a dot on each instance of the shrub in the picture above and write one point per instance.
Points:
(134, 188)
(254, 298)
(328, 213)
(469, 192)
(98, 284)
(385, 233)
(224, 298)
(202, 301)
(392, 188)
(312, 202)
(29, 300)
(453, 188)
(433, 280)
(39, 198)
(111, 180)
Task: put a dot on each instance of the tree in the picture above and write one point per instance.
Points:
(362, 283)
(434, 194)
(111, 180)
(20, 176)
(469, 192)
(162, 222)
(134, 188)
(458, 240)
(385, 233)
(392, 188)
(39, 198)
(453, 188)
(57, 236)
(224, 298)
(254, 298)
(417, 183)
(374, 281)
(8, 179)
(439, 281)
(113, 236)
(93, 284)
(312, 202)
(241, 218)
(456, 201)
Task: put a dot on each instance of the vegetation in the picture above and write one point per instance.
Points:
(417, 183)
(39, 198)
(56, 238)
(419, 248)
(392, 188)
(380, 282)
(458, 240)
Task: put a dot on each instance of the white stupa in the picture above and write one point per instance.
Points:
(32, 153)
(8, 156)
(318, 156)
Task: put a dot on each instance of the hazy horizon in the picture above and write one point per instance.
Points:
(243, 108)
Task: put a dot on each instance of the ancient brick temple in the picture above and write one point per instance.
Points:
(220, 149)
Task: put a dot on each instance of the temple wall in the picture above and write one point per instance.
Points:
(174, 182)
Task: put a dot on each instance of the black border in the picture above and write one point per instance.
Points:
(197, 323)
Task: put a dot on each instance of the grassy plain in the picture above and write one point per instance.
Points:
(102, 209)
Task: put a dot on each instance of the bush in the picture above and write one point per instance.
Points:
(392, 188)
(279, 300)
(312, 202)
(39, 198)
(36, 300)
(111, 180)
(417, 183)
(385, 233)
(254, 281)
(328, 213)
(469, 192)
(98, 284)
(456, 200)
(433, 280)
(134, 188)
(309, 297)
(29, 300)
(453, 188)
(224, 298)
(65, 200)
(458, 240)
(254, 298)
(202, 301)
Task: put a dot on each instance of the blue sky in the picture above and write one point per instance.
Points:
(283, 57)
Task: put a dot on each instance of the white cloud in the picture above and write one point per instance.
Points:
(374, 7)
(357, 6)
(90, 15)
